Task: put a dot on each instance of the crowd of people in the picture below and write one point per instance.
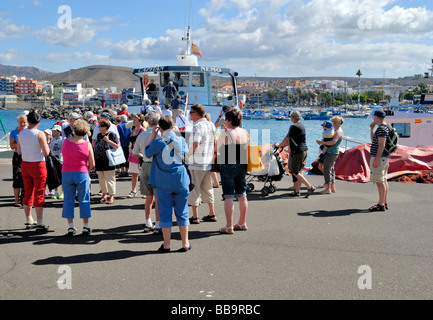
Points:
(171, 172)
(161, 163)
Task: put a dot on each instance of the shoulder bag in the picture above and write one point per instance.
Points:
(191, 183)
(115, 157)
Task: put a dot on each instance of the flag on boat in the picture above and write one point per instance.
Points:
(196, 50)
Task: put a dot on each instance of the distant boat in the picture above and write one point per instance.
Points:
(255, 115)
(323, 115)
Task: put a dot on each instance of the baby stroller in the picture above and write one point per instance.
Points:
(274, 170)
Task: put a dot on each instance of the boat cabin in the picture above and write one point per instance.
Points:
(414, 124)
(211, 87)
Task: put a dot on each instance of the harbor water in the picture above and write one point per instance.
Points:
(261, 131)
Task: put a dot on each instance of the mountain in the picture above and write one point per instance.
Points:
(28, 72)
(97, 76)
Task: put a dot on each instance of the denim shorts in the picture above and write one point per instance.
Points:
(233, 180)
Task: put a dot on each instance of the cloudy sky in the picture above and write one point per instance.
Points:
(287, 38)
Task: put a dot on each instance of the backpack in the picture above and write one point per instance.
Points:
(392, 141)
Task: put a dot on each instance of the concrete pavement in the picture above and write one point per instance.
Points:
(324, 247)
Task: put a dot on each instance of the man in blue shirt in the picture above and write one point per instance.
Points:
(176, 105)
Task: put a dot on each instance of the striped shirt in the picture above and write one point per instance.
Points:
(203, 133)
(381, 132)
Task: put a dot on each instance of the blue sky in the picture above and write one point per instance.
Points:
(288, 38)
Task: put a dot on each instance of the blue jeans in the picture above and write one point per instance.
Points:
(233, 180)
(167, 201)
(72, 183)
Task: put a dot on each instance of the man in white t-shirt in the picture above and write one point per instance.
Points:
(200, 158)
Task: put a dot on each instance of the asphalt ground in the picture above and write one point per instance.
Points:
(325, 247)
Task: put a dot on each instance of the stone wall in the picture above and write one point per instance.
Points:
(54, 111)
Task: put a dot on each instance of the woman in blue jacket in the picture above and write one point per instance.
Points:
(169, 177)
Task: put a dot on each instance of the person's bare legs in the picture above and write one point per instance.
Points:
(184, 236)
(243, 208)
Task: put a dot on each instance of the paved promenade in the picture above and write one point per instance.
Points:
(324, 247)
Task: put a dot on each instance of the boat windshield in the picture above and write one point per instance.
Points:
(207, 86)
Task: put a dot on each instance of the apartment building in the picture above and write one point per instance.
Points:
(7, 86)
(26, 87)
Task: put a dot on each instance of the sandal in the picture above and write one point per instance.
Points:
(71, 232)
(184, 249)
(209, 218)
(310, 191)
(325, 192)
(42, 228)
(87, 231)
(376, 207)
(162, 249)
(30, 225)
(194, 220)
(295, 194)
(386, 206)
(240, 227)
(227, 230)
(132, 194)
(110, 201)
(103, 199)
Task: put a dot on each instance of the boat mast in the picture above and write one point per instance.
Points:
(186, 58)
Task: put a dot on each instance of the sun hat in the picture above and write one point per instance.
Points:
(327, 124)
(56, 127)
(74, 115)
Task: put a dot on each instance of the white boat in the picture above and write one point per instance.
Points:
(213, 87)
(414, 124)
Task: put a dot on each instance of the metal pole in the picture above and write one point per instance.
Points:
(359, 74)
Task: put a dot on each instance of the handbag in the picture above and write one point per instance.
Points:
(254, 157)
(191, 183)
(215, 166)
(54, 172)
(115, 157)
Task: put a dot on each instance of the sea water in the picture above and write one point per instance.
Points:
(9, 118)
(274, 131)
(261, 131)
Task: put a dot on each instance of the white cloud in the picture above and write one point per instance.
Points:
(9, 30)
(83, 31)
(318, 36)
(289, 37)
(9, 56)
(87, 58)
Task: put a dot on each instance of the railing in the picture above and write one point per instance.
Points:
(4, 143)
(347, 140)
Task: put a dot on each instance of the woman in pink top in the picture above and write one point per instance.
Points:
(78, 160)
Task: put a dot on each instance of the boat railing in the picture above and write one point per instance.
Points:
(4, 142)
(208, 97)
(349, 142)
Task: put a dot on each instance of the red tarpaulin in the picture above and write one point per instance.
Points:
(354, 164)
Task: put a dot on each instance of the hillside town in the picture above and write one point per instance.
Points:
(254, 93)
